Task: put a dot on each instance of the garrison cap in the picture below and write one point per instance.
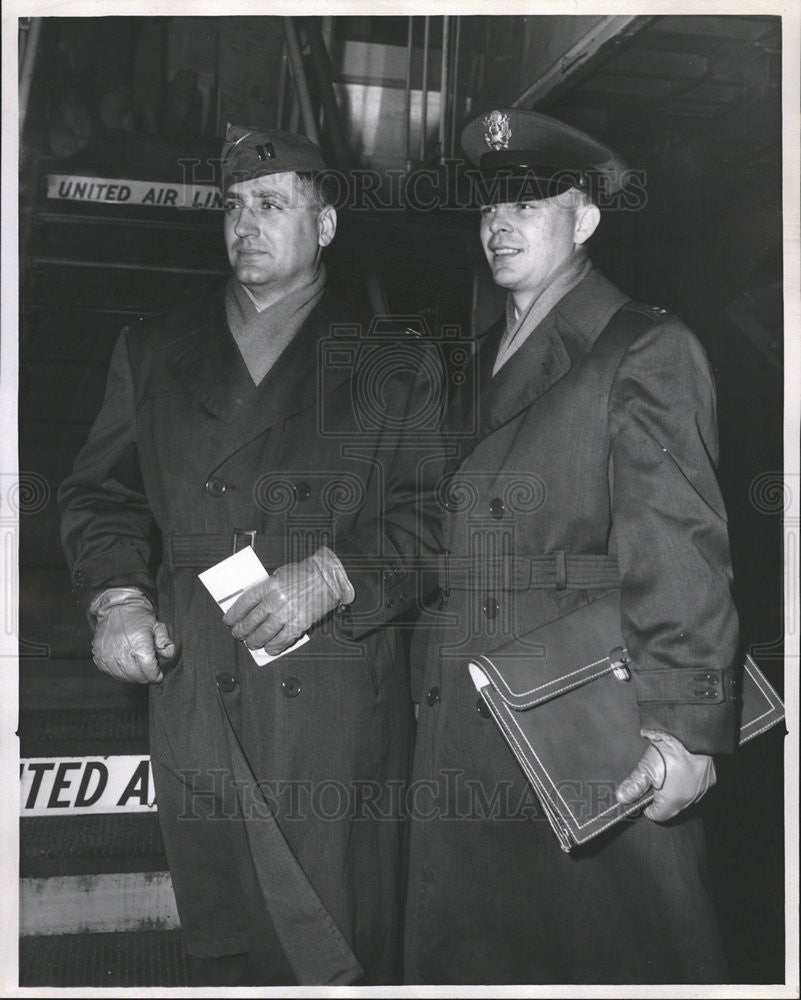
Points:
(248, 153)
(524, 155)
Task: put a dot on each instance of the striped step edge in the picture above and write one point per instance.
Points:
(90, 844)
(97, 904)
(136, 959)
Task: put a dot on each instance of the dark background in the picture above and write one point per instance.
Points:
(694, 103)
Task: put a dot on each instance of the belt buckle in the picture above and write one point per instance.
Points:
(238, 541)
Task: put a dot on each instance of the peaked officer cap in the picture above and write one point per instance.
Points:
(524, 155)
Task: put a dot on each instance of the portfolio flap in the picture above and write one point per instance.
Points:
(557, 657)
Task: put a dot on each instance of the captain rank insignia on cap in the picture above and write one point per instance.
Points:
(248, 153)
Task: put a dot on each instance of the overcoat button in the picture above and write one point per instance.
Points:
(215, 487)
(302, 491)
(490, 607)
(433, 696)
(481, 708)
(226, 683)
(291, 687)
(496, 508)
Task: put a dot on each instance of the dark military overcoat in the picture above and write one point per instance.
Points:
(277, 785)
(596, 438)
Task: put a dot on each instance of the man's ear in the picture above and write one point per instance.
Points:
(326, 225)
(587, 218)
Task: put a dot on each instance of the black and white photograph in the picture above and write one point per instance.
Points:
(400, 499)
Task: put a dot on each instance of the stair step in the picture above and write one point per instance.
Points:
(54, 212)
(85, 732)
(74, 684)
(70, 336)
(50, 617)
(120, 240)
(50, 447)
(145, 291)
(90, 844)
(136, 959)
(72, 389)
(97, 904)
(134, 266)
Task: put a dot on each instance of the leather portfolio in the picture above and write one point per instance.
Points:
(565, 702)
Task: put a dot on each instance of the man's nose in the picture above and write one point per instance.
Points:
(499, 219)
(245, 224)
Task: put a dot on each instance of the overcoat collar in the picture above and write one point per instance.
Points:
(565, 335)
(206, 362)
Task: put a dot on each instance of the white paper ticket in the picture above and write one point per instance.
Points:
(226, 580)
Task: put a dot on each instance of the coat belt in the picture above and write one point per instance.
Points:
(553, 571)
(199, 551)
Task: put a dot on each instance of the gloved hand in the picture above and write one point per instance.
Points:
(276, 612)
(677, 776)
(129, 641)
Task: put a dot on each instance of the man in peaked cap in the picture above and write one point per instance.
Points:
(223, 427)
(587, 458)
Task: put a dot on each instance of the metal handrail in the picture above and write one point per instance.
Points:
(407, 100)
(455, 85)
(424, 90)
(301, 83)
(322, 68)
(26, 67)
(443, 87)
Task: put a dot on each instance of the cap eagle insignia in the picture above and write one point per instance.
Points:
(498, 131)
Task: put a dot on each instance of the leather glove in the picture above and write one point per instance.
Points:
(277, 611)
(129, 641)
(677, 776)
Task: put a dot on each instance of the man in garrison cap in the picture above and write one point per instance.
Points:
(227, 425)
(587, 461)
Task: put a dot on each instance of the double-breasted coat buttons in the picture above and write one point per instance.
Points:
(215, 487)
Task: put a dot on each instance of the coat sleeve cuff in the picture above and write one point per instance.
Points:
(683, 685)
(120, 567)
(698, 707)
(384, 589)
(96, 571)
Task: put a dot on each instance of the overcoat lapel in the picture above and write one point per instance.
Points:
(564, 336)
(540, 362)
(488, 401)
(207, 362)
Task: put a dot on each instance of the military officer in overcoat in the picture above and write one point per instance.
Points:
(229, 423)
(586, 459)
